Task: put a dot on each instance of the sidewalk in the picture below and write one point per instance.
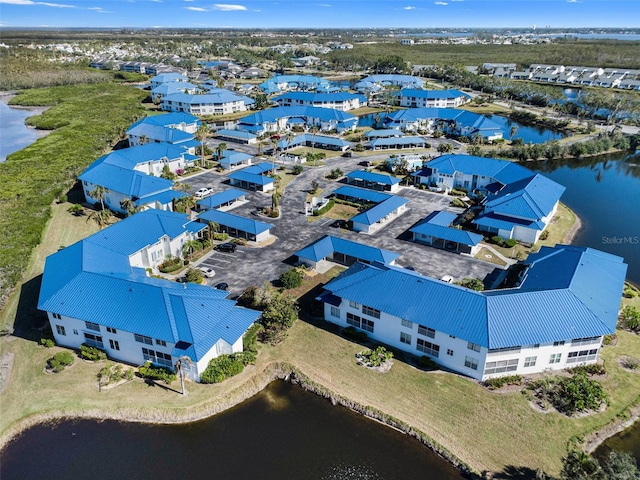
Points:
(508, 261)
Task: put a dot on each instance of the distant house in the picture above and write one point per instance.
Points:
(151, 158)
(236, 136)
(413, 98)
(225, 200)
(232, 160)
(317, 141)
(96, 292)
(398, 80)
(282, 119)
(555, 317)
(167, 78)
(285, 83)
(218, 102)
(342, 101)
(165, 89)
(255, 178)
(372, 220)
(397, 143)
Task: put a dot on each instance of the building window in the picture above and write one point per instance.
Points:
(93, 340)
(449, 352)
(584, 341)
(56, 316)
(501, 366)
(530, 361)
(112, 330)
(75, 332)
(535, 345)
(367, 325)
(92, 326)
(372, 312)
(558, 344)
(473, 346)
(157, 357)
(407, 323)
(353, 320)
(161, 343)
(426, 331)
(114, 344)
(60, 329)
(471, 362)
(495, 351)
(354, 304)
(143, 339)
(335, 312)
(582, 356)
(405, 338)
(428, 348)
(555, 358)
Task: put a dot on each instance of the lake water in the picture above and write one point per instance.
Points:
(14, 133)
(528, 133)
(282, 433)
(604, 192)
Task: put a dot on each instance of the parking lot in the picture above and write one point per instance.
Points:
(251, 265)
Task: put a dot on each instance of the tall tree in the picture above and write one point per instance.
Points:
(99, 193)
(201, 135)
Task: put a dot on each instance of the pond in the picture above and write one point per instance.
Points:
(528, 133)
(14, 132)
(283, 432)
(604, 192)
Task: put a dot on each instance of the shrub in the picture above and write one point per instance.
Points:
(220, 236)
(221, 368)
(355, 334)
(495, 383)
(458, 203)
(151, 372)
(76, 209)
(292, 278)
(47, 342)
(335, 173)
(59, 361)
(630, 363)
(250, 338)
(239, 241)
(376, 357)
(93, 354)
(630, 318)
(608, 339)
(113, 374)
(472, 283)
(544, 235)
(497, 239)
(510, 243)
(577, 394)
(325, 209)
(427, 362)
(171, 264)
(296, 170)
(194, 275)
(591, 369)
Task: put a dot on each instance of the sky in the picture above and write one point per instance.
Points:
(321, 14)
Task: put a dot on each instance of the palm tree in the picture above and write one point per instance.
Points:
(212, 227)
(274, 151)
(180, 366)
(220, 150)
(314, 131)
(289, 136)
(129, 206)
(99, 193)
(189, 247)
(275, 199)
(184, 204)
(513, 131)
(201, 134)
(101, 217)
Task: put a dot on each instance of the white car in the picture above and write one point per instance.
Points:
(203, 192)
(207, 272)
(448, 279)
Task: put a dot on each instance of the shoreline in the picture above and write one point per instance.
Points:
(256, 383)
(575, 228)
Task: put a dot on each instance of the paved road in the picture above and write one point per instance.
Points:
(255, 265)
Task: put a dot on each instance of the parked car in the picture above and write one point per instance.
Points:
(365, 163)
(227, 247)
(347, 154)
(222, 286)
(203, 192)
(339, 224)
(181, 279)
(207, 272)
(447, 278)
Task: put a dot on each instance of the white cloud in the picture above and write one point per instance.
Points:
(196, 9)
(573, 1)
(31, 2)
(157, 1)
(18, 2)
(322, 5)
(99, 10)
(409, 8)
(227, 7)
(440, 3)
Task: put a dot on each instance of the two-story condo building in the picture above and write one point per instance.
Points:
(96, 292)
(216, 102)
(418, 98)
(555, 317)
(282, 119)
(342, 101)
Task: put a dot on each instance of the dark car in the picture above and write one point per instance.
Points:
(365, 163)
(339, 224)
(227, 247)
(222, 286)
(181, 279)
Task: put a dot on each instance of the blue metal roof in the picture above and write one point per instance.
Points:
(218, 98)
(435, 94)
(327, 245)
(492, 220)
(501, 170)
(217, 199)
(569, 292)
(254, 178)
(243, 224)
(170, 88)
(387, 132)
(373, 177)
(402, 142)
(396, 79)
(307, 114)
(381, 210)
(260, 168)
(362, 194)
(169, 77)
(437, 225)
(159, 133)
(130, 183)
(232, 157)
(319, 97)
(163, 198)
(316, 139)
(132, 156)
(532, 198)
(224, 132)
(168, 119)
